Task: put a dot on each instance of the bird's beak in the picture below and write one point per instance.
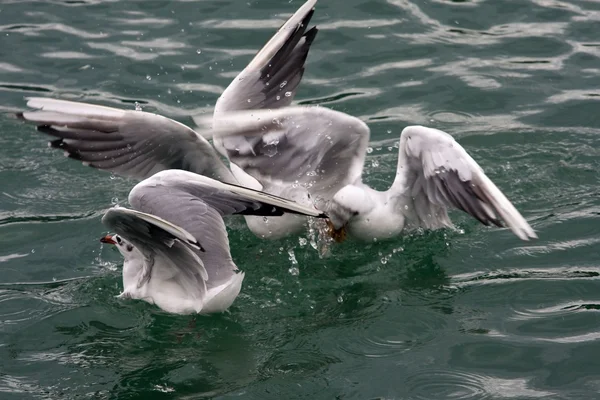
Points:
(108, 239)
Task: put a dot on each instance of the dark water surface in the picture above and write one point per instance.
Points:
(467, 314)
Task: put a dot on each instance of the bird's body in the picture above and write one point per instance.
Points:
(370, 214)
(165, 291)
(170, 296)
(175, 244)
(319, 153)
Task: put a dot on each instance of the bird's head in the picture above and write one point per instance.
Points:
(127, 249)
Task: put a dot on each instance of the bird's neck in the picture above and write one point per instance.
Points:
(132, 268)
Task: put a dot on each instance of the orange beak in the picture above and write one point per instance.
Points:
(108, 239)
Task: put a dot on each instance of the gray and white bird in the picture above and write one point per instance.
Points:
(175, 243)
(138, 144)
(303, 151)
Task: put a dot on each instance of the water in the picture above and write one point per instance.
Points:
(470, 313)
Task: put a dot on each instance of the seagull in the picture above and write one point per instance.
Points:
(175, 243)
(314, 152)
(138, 144)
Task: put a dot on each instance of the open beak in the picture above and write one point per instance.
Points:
(108, 239)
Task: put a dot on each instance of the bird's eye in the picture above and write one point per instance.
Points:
(119, 240)
(129, 247)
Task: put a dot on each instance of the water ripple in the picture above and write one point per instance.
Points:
(124, 51)
(389, 338)
(512, 275)
(297, 361)
(20, 306)
(557, 310)
(460, 385)
(144, 21)
(67, 55)
(19, 218)
(38, 29)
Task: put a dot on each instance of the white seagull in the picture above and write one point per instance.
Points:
(300, 151)
(175, 243)
(138, 144)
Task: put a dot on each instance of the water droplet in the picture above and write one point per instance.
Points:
(249, 100)
(282, 85)
(114, 200)
(384, 260)
(278, 97)
(340, 299)
(302, 241)
(293, 270)
(112, 176)
(199, 51)
(375, 163)
(288, 94)
(369, 150)
(148, 77)
(32, 251)
(138, 106)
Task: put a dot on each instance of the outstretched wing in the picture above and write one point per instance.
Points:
(129, 143)
(438, 173)
(314, 147)
(157, 238)
(197, 203)
(271, 79)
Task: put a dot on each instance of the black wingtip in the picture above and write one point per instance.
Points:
(310, 35)
(47, 129)
(20, 115)
(198, 245)
(56, 144)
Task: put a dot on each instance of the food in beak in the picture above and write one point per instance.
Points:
(339, 235)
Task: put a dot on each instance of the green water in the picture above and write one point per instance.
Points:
(467, 314)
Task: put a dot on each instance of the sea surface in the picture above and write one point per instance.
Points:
(465, 313)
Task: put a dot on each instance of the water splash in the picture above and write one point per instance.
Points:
(293, 270)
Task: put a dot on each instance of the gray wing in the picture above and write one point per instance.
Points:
(130, 143)
(439, 173)
(197, 204)
(314, 147)
(271, 79)
(157, 238)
